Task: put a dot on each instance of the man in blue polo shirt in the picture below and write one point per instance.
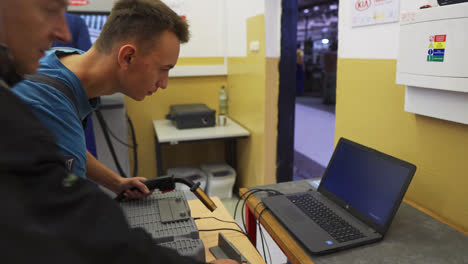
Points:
(57, 112)
(133, 55)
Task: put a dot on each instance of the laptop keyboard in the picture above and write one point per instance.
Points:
(334, 225)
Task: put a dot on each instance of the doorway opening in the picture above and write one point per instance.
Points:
(314, 126)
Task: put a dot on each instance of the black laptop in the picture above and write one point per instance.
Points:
(354, 204)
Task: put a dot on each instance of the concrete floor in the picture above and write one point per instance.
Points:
(314, 134)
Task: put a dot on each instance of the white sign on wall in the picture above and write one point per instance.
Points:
(371, 12)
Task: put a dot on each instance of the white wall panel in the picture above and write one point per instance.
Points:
(207, 24)
(207, 20)
(370, 42)
(273, 28)
(237, 13)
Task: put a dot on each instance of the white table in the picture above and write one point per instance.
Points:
(167, 134)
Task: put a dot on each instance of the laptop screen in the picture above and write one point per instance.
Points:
(366, 180)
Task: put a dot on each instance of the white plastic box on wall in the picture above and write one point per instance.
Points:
(433, 62)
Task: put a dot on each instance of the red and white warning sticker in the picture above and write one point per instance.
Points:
(78, 2)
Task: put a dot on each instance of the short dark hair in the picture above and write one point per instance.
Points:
(141, 20)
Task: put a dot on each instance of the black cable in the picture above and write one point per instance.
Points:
(135, 150)
(262, 238)
(262, 235)
(104, 128)
(229, 222)
(255, 209)
(261, 232)
(248, 191)
(197, 218)
(107, 131)
(118, 139)
(247, 198)
(220, 229)
(243, 207)
(240, 198)
(251, 192)
(238, 201)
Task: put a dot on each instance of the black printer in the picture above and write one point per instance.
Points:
(191, 116)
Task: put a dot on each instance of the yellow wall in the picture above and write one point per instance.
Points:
(271, 118)
(370, 110)
(253, 106)
(191, 61)
(179, 91)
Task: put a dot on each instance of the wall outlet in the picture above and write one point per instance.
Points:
(255, 46)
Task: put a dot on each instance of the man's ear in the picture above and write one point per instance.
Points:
(126, 56)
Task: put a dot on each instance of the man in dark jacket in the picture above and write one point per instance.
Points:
(49, 215)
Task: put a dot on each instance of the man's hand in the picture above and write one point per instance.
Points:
(126, 184)
(224, 261)
(100, 174)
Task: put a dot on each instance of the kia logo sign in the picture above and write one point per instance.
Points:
(78, 2)
(362, 5)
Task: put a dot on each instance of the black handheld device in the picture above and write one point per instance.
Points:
(167, 183)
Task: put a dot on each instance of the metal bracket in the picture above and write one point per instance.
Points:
(226, 250)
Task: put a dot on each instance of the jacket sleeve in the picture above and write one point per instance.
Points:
(69, 220)
(51, 216)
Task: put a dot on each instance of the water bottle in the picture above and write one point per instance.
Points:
(223, 107)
